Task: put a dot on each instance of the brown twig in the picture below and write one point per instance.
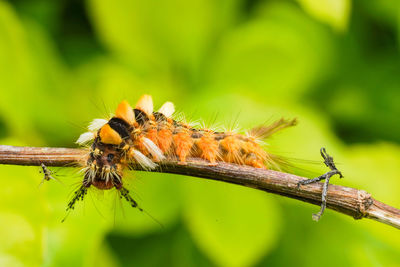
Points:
(356, 203)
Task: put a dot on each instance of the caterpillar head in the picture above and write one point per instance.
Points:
(104, 167)
(110, 138)
(113, 142)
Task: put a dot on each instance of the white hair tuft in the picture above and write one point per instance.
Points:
(167, 109)
(85, 138)
(96, 124)
(153, 149)
(143, 161)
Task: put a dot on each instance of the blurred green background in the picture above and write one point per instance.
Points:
(333, 64)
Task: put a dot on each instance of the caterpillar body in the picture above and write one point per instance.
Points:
(146, 137)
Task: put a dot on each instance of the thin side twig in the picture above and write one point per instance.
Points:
(354, 202)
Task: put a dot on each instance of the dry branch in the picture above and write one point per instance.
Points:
(356, 203)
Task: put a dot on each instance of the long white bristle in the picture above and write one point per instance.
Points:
(85, 138)
(96, 124)
(143, 161)
(167, 109)
(153, 149)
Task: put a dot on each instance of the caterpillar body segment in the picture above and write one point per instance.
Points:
(147, 137)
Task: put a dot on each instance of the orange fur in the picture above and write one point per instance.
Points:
(109, 136)
(174, 138)
(183, 144)
(232, 146)
(208, 147)
(152, 134)
(254, 161)
(152, 137)
(164, 140)
(253, 154)
(124, 111)
(138, 144)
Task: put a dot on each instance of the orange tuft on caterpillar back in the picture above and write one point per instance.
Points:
(125, 112)
(109, 135)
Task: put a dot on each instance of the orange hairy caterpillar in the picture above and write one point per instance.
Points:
(146, 137)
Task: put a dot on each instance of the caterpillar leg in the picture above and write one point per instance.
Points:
(125, 193)
(78, 195)
(328, 160)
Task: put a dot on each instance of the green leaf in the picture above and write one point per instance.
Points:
(376, 168)
(160, 36)
(115, 82)
(384, 11)
(77, 239)
(30, 218)
(158, 194)
(104, 257)
(30, 70)
(333, 12)
(276, 55)
(353, 102)
(22, 217)
(16, 71)
(171, 247)
(233, 225)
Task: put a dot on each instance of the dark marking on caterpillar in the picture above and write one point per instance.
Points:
(159, 117)
(141, 117)
(120, 126)
(196, 135)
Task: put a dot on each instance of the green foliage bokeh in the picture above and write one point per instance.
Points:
(333, 64)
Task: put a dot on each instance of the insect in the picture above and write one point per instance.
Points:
(47, 174)
(146, 137)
